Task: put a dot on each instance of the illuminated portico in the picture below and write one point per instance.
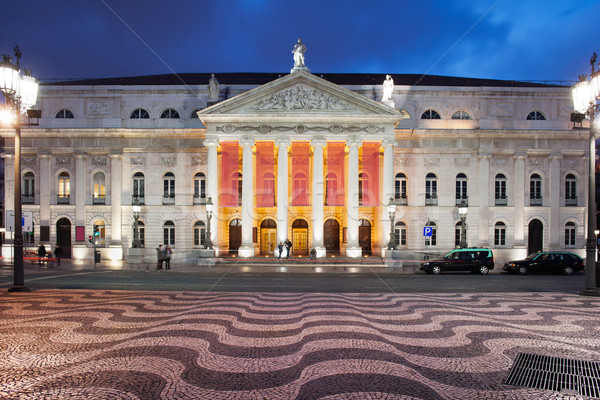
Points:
(302, 116)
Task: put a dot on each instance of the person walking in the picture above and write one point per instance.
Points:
(168, 253)
(41, 253)
(159, 257)
(57, 254)
(280, 247)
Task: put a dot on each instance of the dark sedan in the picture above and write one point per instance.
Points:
(548, 261)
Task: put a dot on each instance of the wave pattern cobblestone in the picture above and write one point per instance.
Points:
(58, 344)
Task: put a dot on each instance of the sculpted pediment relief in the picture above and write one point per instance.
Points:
(301, 98)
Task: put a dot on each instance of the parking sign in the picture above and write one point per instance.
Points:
(427, 231)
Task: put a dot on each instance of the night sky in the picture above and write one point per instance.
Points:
(539, 40)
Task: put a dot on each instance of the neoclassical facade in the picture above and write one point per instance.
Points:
(307, 157)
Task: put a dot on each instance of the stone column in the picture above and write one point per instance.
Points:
(352, 247)
(116, 190)
(80, 188)
(318, 197)
(519, 194)
(387, 193)
(282, 191)
(45, 184)
(212, 189)
(554, 183)
(484, 200)
(247, 247)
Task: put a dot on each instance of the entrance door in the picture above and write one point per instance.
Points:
(364, 236)
(331, 238)
(63, 236)
(300, 237)
(536, 237)
(268, 237)
(235, 235)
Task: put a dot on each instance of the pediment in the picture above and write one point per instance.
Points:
(299, 93)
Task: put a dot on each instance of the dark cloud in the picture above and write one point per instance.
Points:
(524, 40)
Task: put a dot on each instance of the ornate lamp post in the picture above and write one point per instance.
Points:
(20, 93)
(392, 213)
(137, 209)
(462, 212)
(585, 99)
(209, 210)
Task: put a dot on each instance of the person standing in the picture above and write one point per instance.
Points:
(41, 253)
(288, 246)
(159, 257)
(280, 247)
(57, 254)
(168, 253)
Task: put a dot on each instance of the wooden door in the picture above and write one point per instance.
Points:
(235, 235)
(331, 237)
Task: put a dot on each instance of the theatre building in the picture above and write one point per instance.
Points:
(313, 158)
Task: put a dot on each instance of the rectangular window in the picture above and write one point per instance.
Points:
(570, 236)
(431, 240)
(499, 236)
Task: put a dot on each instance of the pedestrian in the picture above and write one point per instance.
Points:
(41, 253)
(288, 246)
(159, 257)
(313, 253)
(168, 253)
(280, 247)
(57, 254)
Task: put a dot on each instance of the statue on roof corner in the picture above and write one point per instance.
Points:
(299, 50)
(388, 89)
(213, 89)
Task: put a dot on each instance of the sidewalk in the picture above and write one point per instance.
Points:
(94, 344)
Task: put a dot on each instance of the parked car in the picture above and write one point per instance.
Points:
(475, 260)
(547, 261)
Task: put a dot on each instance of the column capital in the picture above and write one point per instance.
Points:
(353, 141)
(388, 142)
(247, 141)
(483, 156)
(211, 141)
(318, 141)
(7, 155)
(555, 156)
(520, 156)
(283, 142)
(80, 155)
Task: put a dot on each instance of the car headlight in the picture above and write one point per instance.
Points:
(426, 264)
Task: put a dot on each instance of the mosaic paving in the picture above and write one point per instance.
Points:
(149, 345)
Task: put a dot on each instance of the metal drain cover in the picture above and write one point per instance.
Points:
(557, 374)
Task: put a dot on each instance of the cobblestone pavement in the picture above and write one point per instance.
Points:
(59, 344)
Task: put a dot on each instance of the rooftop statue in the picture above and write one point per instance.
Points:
(213, 88)
(299, 50)
(388, 89)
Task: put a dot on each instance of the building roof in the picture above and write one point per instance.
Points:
(260, 78)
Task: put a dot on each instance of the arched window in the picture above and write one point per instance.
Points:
(28, 188)
(64, 113)
(400, 232)
(461, 114)
(570, 231)
(431, 114)
(536, 116)
(169, 233)
(139, 113)
(169, 188)
(535, 190)
(461, 190)
(500, 190)
(199, 188)
(141, 233)
(431, 240)
(431, 190)
(458, 233)
(500, 234)
(194, 114)
(138, 195)
(99, 194)
(169, 113)
(570, 190)
(268, 189)
(199, 234)
(400, 193)
(64, 188)
(240, 185)
(300, 189)
(330, 189)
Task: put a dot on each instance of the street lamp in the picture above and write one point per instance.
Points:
(585, 100)
(137, 209)
(462, 212)
(209, 210)
(392, 213)
(20, 93)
